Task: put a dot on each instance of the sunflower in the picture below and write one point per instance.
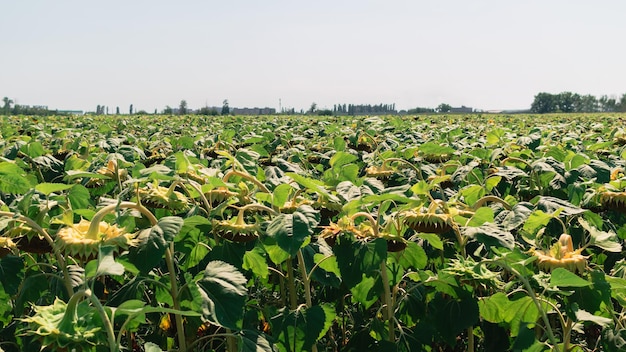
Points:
(561, 255)
(155, 196)
(77, 241)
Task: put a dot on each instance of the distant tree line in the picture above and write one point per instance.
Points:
(573, 102)
(9, 108)
(363, 109)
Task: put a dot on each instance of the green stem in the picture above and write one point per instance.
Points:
(247, 177)
(113, 346)
(479, 203)
(169, 259)
(180, 328)
(306, 279)
(99, 216)
(387, 301)
(418, 171)
(293, 297)
(532, 295)
(370, 218)
(60, 259)
(567, 333)
(470, 339)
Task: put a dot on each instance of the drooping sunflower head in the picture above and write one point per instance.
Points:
(561, 255)
(428, 222)
(76, 240)
(614, 200)
(219, 195)
(382, 171)
(155, 196)
(236, 231)
(109, 172)
(7, 246)
(343, 226)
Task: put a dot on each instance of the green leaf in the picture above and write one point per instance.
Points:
(79, 197)
(339, 144)
(224, 294)
(281, 194)
(420, 188)
(152, 347)
(481, 216)
(33, 149)
(364, 293)
(47, 188)
(582, 315)
(535, 221)
(342, 158)
(356, 258)
(13, 179)
(492, 182)
(300, 329)
(255, 261)
(153, 242)
(432, 239)
(605, 240)
(11, 273)
(413, 256)
(493, 309)
(106, 262)
(182, 162)
(327, 263)
(435, 149)
(490, 235)
(516, 313)
(472, 193)
(291, 231)
(494, 136)
(254, 341)
(562, 277)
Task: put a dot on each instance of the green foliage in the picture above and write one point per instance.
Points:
(295, 233)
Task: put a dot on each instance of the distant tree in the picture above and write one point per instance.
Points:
(155, 111)
(117, 110)
(182, 107)
(420, 110)
(325, 112)
(207, 111)
(622, 103)
(225, 108)
(544, 103)
(130, 109)
(587, 103)
(7, 105)
(443, 107)
(107, 110)
(98, 110)
(566, 101)
(168, 110)
(607, 104)
(313, 108)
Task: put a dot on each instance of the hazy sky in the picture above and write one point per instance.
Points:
(494, 54)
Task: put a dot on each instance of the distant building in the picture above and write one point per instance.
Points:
(252, 111)
(462, 109)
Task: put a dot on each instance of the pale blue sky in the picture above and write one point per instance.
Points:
(485, 54)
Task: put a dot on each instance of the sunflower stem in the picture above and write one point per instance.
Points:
(108, 325)
(370, 218)
(247, 177)
(388, 302)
